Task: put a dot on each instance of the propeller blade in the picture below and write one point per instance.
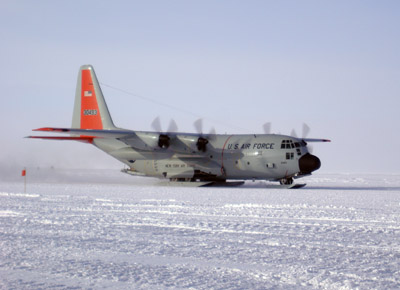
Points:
(198, 125)
(267, 128)
(156, 125)
(213, 134)
(173, 127)
(306, 130)
(293, 133)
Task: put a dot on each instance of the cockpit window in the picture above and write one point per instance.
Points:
(289, 144)
(283, 145)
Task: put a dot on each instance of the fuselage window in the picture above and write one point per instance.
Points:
(289, 155)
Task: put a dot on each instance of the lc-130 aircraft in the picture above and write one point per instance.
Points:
(186, 158)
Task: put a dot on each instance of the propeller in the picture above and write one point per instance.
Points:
(156, 124)
(172, 127)
(304, 134)
(306, 131)
(267, 128)
(202, 141)
(164, 139)
(198, 125)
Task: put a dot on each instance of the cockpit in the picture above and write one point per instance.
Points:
(289, 144)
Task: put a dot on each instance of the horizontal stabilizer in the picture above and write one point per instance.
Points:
(89, 132)
(80, 139)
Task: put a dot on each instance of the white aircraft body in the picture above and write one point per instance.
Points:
(193, 158)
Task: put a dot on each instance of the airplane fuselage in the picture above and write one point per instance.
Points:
(267, 157)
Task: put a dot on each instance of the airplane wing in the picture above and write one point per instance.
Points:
(316, 140)
(142, 141)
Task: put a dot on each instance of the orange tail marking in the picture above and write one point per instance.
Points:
(90, 113)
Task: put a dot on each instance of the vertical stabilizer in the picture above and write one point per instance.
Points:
(90, 108)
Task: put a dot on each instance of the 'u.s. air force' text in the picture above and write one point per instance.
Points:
(257, 146)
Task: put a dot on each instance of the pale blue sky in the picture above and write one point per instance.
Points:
(332, 64)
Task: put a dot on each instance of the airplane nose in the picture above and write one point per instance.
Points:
(309, 163)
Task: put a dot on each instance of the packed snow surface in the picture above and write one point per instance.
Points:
(342, 231)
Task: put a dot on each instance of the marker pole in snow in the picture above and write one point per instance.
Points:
(24, 175)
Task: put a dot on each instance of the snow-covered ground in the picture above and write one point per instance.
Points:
(342, 231)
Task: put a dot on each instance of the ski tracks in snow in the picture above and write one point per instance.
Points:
(107, 236)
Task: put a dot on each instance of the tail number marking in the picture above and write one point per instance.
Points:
(89, 112)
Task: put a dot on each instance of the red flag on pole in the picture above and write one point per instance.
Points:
(23, 172)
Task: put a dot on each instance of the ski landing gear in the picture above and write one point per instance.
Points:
(288, 183)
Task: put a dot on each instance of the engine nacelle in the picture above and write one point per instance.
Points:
(202, 144)
(163, 141)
